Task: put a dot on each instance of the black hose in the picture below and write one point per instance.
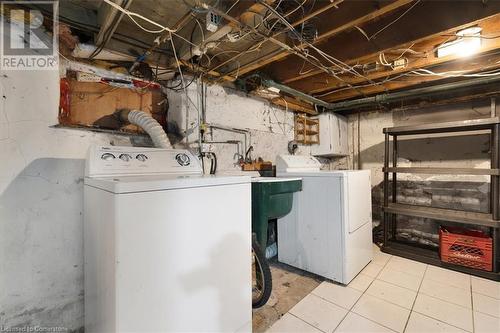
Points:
(213, 164)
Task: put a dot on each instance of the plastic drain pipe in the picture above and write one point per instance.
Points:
(148, 124)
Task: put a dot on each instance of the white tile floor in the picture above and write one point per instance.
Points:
(393, 294)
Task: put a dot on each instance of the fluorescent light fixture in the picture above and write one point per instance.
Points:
(467, 43)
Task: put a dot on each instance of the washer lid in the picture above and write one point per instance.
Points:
(147, 183)
(274, 179)
(319, 173)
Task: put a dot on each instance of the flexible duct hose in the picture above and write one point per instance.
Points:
(149, 125)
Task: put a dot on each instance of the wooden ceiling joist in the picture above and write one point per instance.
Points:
(429, 58)
(425, 19)
(109, 18)
(467, 66)
(330, 31)
(233, 75)
(295, 105)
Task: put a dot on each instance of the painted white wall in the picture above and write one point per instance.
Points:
(41, 181)
(41, 187)
(270, 127)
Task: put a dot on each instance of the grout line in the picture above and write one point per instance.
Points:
(387, 301)
(340, 306)
(349, 310)
(472, 304)
(445, 300)
(415, 300)
(390, 329)
(341, 321)
(399, 285)
(404, 272)
(493, 298)
(314, 327)
(418, 293)
(362, 293)
(427, 316)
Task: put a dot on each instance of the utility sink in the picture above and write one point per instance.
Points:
(272, 198)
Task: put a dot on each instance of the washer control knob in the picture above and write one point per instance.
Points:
(141, 157)
(183, 159)
(107, 157)
(125, 157)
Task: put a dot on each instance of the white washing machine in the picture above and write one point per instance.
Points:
(329, 231)
(167, 249)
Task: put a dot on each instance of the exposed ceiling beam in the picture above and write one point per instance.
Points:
(231, 76)
(330, 32)
(352, 45)
(473, 65)
(293, 104)
(109, 19)
(424, 46)
(490, 25)
(241, 8)
(271, 39)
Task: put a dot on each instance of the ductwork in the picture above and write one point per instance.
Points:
(148, 124)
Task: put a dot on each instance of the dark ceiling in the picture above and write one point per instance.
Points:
(333, 50)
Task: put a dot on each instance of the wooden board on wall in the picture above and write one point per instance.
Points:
(90, 101)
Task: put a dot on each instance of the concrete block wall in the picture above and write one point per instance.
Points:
(41, 189)
(41, 184)
(366, 146)
(269, 128)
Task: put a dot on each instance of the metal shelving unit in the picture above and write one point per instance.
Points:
(391, 209)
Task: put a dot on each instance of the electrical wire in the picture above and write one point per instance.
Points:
(420, 72)
(232, 6)
(131, 15)
(334, 61)
(198, 9)
(427, 72)
(184, 87)
(392, 22)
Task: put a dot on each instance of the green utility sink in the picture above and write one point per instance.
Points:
(272, 198)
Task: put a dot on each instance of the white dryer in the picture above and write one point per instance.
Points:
(167, 249)
(329, 231)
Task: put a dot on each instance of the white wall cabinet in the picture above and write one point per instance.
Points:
(332, 136)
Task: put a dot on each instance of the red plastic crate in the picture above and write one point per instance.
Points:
(464, 247)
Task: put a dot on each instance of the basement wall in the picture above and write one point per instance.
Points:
(41, 188)
(366, 146)
(269, 129)
(41, 183)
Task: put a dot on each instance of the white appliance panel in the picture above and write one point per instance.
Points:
(358, 199)
(309, 235)
(114, 161)
(329, 230)
(166, 260)
(333, 136)
(199, 264)
(156, 182)
(358, 251)
(297, 163)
